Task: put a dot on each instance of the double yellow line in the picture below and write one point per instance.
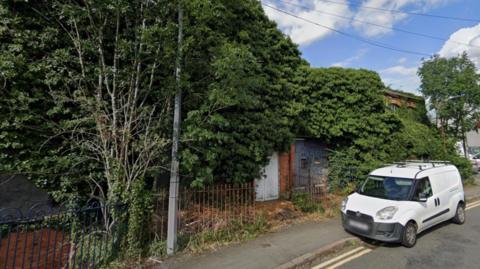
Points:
(472, 205)
(343, 259)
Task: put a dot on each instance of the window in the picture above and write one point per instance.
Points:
(303, 163)
(391, 188)
(423, 189)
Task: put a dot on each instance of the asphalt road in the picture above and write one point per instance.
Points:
(445, 246)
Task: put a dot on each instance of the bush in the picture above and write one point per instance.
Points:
(305, 203)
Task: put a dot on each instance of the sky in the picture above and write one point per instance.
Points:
(341, 33)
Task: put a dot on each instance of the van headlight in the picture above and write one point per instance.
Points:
(344, 204)
(387, 212)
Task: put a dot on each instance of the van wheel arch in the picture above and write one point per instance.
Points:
(459, 217)
(409, 235)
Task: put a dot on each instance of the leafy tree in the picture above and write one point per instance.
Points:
(345, 108)
(452, 87)
(240, 72)
(30, 142)
(88, 89)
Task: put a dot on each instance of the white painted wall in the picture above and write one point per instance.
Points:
(267, 187)
(473, 139)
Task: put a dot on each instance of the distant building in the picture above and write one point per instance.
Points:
(473, 139)
(397, 99)
(17, 192)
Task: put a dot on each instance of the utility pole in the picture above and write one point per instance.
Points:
(174, 173)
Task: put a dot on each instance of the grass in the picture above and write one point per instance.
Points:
(211, 239)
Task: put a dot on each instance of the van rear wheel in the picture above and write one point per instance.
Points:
(460, 214)
(409, 237)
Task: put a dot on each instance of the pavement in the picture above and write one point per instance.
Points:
(276, 249)
(473, 192)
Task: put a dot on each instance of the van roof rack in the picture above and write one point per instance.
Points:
(421, 163)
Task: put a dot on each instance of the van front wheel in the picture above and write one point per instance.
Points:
(460, 214)
(409, 237)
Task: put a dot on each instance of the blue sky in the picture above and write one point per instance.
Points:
(323, 48)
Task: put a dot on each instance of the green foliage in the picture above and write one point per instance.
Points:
(305, 203)
(453, 88)
(241, 79)
(235, 231)
(345, 108)
(140, 209)
(30, 142)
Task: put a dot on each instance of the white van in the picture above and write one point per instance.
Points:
(398, 201)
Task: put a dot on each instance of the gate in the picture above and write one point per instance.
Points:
(54, 238)
(311, 165)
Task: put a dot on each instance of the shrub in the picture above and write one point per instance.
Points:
(305, 203)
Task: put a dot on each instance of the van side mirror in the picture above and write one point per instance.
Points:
(422, 198)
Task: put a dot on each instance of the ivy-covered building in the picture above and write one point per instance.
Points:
(396, 99)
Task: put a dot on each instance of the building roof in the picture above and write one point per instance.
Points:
(413, 169)
(20, 193)
(397, 93)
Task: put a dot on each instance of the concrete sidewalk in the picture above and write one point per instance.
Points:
(274, 249)
(473, 192)
(269, 250)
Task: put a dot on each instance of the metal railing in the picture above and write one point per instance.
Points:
(212, 207)
(47, 237)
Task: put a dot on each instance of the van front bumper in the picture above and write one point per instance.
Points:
(363, 225)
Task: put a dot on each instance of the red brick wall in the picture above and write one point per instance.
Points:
(286, 160)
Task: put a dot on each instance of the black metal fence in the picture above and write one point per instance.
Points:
(47, 237)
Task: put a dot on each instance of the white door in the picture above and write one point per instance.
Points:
(267, 187)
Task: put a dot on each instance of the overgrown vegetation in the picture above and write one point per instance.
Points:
(86, 105)
(304, 202)
(210, 239)
(346, 109)
(452, 86)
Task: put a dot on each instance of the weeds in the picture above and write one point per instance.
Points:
(208, 239)
(306, 203)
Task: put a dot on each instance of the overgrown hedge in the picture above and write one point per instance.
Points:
(346, 109)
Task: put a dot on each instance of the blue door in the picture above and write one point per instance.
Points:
(311, 164)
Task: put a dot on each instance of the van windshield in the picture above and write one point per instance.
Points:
(391, 188)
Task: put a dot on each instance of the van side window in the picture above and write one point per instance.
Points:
(423, 187)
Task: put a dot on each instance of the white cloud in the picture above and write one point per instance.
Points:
(359, 55)
(303, 32)
(400, 70)
(401, 77)
(367, 13)
(402, 60)
(320, 11)
(457, 44)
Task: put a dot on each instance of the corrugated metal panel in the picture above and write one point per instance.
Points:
(267, 187)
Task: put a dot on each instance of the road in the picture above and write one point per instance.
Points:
(445, 246)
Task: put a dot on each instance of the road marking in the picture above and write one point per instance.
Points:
(333, 260)
(342, 262)
(473, 205)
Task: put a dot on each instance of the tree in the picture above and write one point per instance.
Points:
(99, 107)
(452, 88)
(345, 108)
(240, 75)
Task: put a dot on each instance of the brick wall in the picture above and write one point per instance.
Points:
(286, 166)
